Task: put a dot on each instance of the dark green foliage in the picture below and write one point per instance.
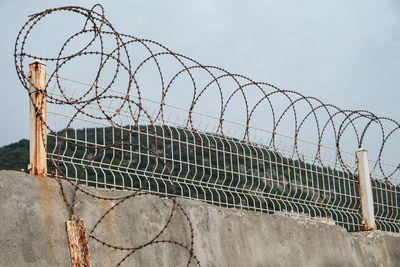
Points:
(15, 156)
(224, 171)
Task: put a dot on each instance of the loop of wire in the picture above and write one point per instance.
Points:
(330, 122)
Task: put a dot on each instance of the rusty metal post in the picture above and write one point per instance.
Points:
(37, 110)
(78, 243)
(367, 201)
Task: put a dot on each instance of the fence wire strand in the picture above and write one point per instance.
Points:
(112, 138)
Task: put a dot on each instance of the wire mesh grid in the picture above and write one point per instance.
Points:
(386, 195)
(157, 136)
(143, 153)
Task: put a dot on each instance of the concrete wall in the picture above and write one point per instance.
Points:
(32, 232)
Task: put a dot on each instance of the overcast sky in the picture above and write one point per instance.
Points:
(344, 52)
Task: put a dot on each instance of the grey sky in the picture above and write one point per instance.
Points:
(344, 52)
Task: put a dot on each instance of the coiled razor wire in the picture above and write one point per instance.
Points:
(98, 22)
(339, 122)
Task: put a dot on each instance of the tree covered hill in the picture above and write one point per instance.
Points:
(204, 163)
(15, 156)
(204, 166)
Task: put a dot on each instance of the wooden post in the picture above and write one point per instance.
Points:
(367, 201)
(37, 110)
(78, 244)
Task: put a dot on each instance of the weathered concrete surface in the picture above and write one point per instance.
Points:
(32, 232)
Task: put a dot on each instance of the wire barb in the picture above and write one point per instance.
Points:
(154, 147)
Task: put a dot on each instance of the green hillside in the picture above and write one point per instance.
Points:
(215, 169)
(15, 156)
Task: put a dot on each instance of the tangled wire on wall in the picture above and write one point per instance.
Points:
(99, 23)
(327, 123)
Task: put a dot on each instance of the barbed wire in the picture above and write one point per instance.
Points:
(98, 21)
(330, 123)
(339, 122)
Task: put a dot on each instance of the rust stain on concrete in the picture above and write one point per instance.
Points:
(110, 222)
(382, 254)
(46, 197)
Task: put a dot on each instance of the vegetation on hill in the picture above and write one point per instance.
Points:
(15, 156)
(203, 166)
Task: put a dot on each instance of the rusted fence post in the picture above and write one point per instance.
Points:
(367, 201)
(37, 110)
(78, 243)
